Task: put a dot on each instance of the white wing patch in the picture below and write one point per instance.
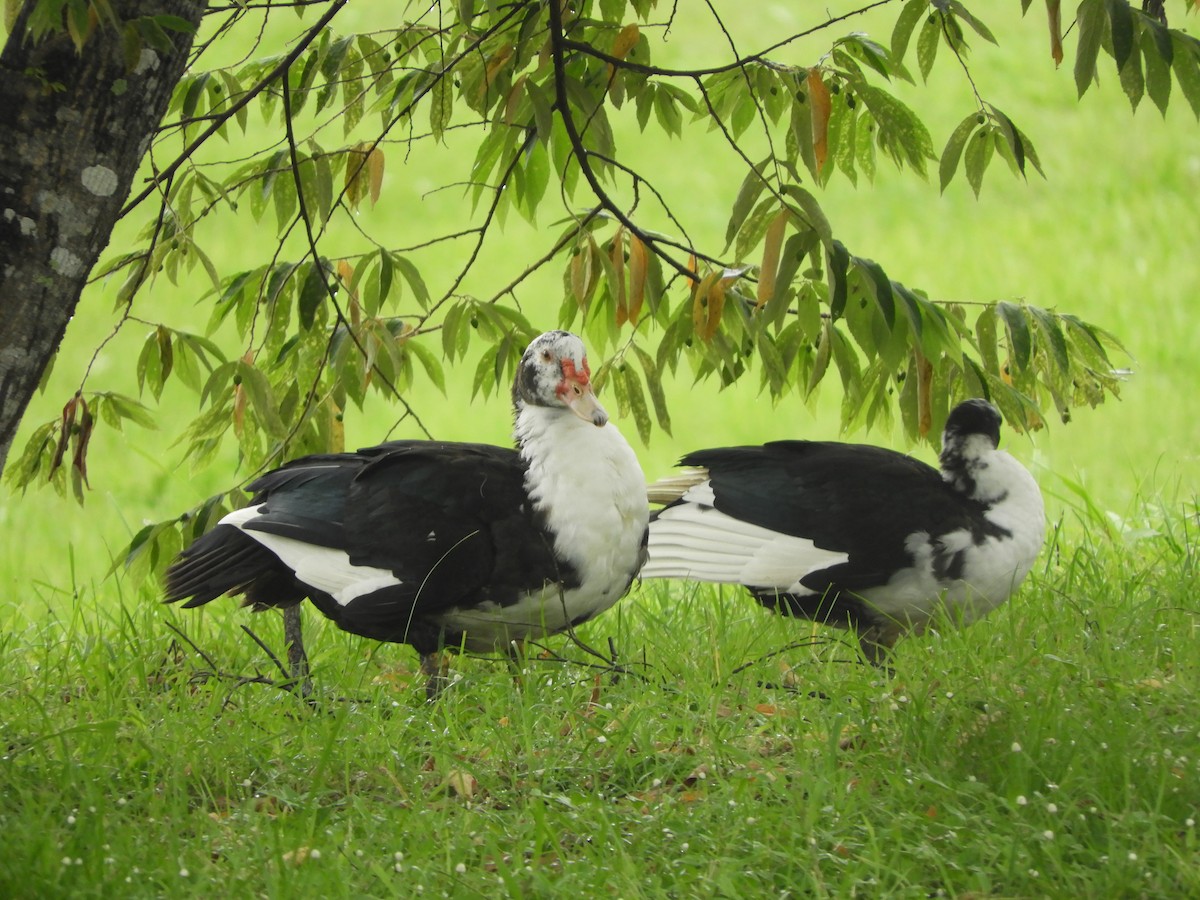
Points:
(323, 568)
(701, 543)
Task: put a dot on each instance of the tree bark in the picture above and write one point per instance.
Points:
(74, 126)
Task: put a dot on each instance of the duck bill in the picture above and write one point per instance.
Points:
(582, 401)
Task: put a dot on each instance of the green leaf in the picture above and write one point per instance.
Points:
(195, 90)
(881, 288)
(410, 273)
(979, 153)
(1090, 21)
(636, 399)
(927, 44)
(1158, 70)
(1120, 19)
(429, 362)
(985, 338)
(1019, 337)
(954, 147)
(671, 119)
(1186, 64)
(838, 263)
(175, 23)
(795, 249)
(1132, 80)
(262, 398)
(901, 133)
(313, 293)
(1048, 328)
(441, 105)
(752, 186)
(905, 23)
(1011, 136)
(811, 214)
(965, 14)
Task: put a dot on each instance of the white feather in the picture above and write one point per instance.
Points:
(587, 481)
(324, 568)
(694, 540)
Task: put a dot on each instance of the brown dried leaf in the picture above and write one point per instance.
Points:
(700, 773)
(620, 295)
(82, 438)
(462, 784)
(497, 62)
(769, 270)
(820, 107)
(924, 394)
(637, 276)
(297, 857)
(64, 431)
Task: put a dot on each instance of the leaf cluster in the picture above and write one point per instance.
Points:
(545, 91)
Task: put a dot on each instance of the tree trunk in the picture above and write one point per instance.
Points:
(74, 126)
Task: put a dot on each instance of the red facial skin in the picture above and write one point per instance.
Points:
(575, 391)
(574, 380)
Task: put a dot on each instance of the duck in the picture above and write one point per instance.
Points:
(445, 546)
(856, 536)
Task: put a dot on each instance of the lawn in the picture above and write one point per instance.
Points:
(1051, 750)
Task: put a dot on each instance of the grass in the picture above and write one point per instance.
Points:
(123, 766)
(1052, 750)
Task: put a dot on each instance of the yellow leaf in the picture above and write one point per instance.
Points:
(770, 261)
(637, 276)
(337, 429)
(627, 39)
(617, 255)
(583, 272)
(924, 394)
(356, 181)
(708, 303)
(496, 63)
(375, 173)
(1054, 14)
(820, 107)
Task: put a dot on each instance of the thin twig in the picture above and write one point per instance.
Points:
(270, 654)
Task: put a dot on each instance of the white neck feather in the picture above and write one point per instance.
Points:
(587, 481)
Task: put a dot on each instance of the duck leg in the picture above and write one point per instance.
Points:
(297, 658)
(436, 668)
(876, 643)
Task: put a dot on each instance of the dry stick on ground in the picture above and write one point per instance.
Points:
(287, 683)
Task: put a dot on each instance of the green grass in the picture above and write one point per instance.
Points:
(691, 777)
(1052, 750)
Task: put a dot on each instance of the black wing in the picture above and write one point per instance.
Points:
(856, 499)
(452, 522)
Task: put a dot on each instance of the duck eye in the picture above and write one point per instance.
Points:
(547, 356)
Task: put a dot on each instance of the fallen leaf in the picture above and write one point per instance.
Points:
(462, 784)
(297, 857)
